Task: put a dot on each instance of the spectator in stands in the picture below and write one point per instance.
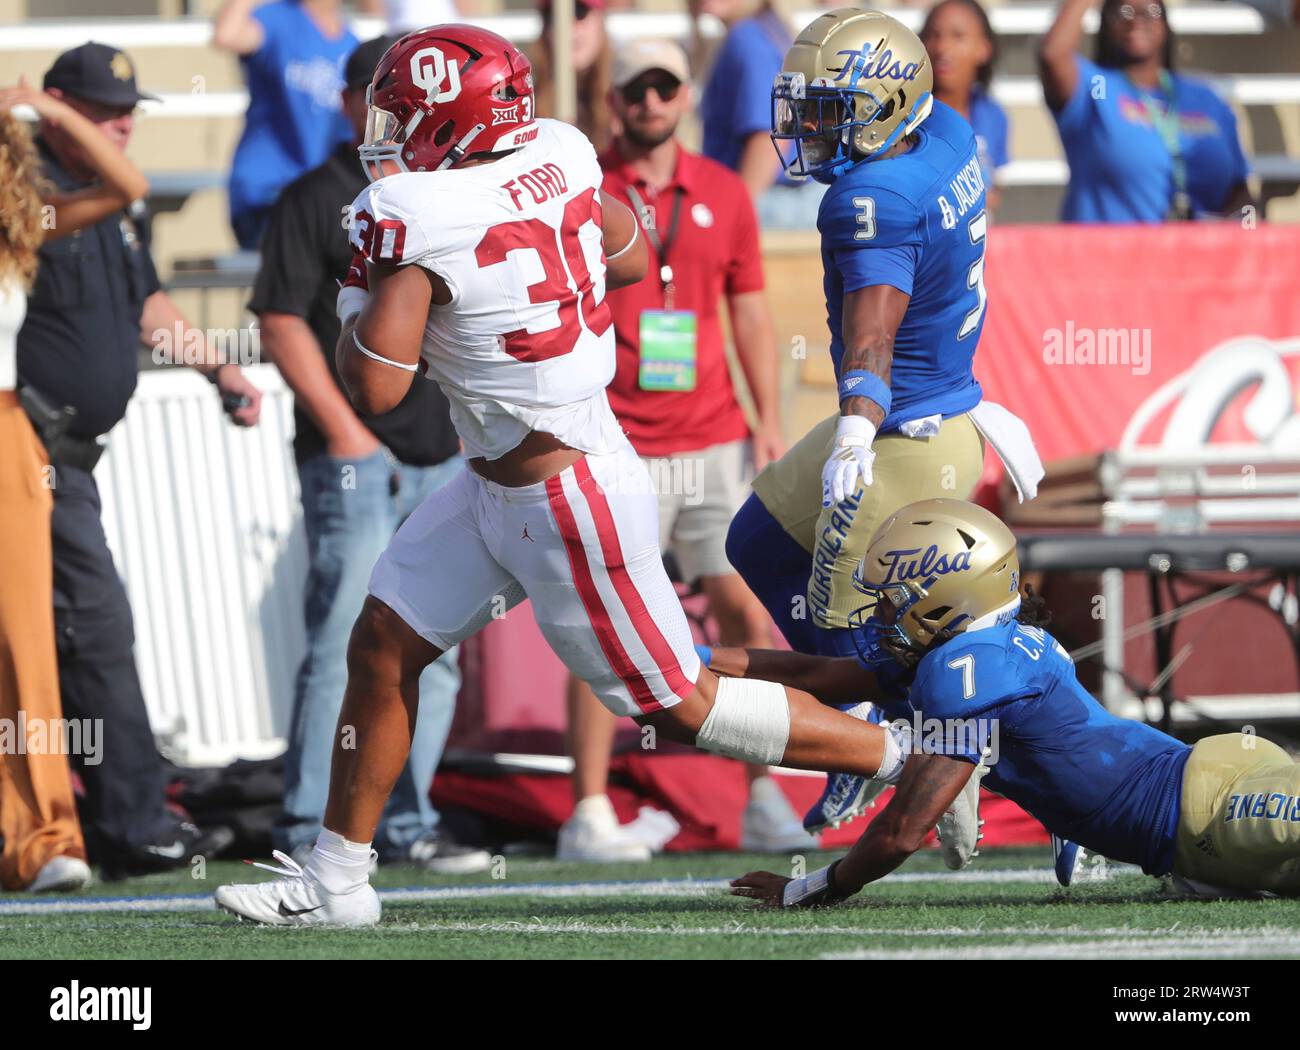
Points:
(43, 846)
(963, 50)
(402, 16)
(292, 53)
(1145, 144)
(591, 57)
(736, 110)
(680, 410)
(360, 478)
(96, 299)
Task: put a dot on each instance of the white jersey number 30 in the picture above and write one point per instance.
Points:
(565, 269)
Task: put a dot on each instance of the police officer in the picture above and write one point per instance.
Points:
(97, 298)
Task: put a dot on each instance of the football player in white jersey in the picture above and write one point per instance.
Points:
(485, 248)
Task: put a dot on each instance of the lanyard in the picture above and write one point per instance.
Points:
(661, 247)
(1166, 125)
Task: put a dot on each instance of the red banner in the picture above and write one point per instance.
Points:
(1176, 337)
(1095, 331)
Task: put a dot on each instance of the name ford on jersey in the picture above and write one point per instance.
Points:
(901, 565)
(541, 183)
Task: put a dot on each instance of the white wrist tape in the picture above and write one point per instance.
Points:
(854, 432)
(898, 744)
(350, 302)
(799, 890)
(636, 232)
(750, 720)
(381, 359)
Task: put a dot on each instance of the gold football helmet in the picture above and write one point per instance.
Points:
(852, 84)
(941, 565)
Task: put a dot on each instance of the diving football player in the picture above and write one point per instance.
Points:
(947, 644)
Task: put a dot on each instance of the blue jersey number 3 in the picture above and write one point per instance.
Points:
(977, 228)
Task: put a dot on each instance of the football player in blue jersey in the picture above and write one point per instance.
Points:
(955, 655)
(903, 231)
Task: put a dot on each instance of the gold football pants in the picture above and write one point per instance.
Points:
(905, 470)
(1239, 826)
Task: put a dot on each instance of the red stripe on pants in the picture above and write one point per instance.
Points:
(633, 604)
(601, 623)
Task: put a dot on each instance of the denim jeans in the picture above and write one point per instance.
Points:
(351, 508)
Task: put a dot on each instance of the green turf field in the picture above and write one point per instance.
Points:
(1006, 905)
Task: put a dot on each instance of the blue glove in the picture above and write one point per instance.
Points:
(705, 653)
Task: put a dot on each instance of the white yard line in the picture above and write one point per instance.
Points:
(1217, 944)
(1035, 942)
(642, 888)
(1083, 938)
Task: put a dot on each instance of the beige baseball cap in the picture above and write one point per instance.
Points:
(639, 56)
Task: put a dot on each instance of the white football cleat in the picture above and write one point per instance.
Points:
(298, 899)
(959, 827)
(594, 834)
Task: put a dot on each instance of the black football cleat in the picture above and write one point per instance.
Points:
(175, 850)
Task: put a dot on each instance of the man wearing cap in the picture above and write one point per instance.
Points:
(360, 477)
(96, 300)
(673, 393)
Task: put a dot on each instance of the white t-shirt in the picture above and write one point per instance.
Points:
(13, 308)
(527, 342)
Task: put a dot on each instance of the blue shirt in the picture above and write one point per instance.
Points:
(737, 99)
(916, 222)
(1110, 784)
(295, 116)
(990, 123)
(1120, 168)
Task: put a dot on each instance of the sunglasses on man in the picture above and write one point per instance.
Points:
(665, 86)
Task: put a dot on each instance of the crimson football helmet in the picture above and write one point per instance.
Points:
(443, 92)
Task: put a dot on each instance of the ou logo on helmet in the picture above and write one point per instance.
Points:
(429, 69)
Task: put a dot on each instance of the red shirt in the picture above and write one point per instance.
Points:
(715, 250)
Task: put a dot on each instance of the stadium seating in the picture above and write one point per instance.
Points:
(186, 142)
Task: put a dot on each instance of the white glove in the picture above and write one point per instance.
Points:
(351, 301)
(850, 459)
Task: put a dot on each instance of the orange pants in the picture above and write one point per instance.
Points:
(38, 816)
